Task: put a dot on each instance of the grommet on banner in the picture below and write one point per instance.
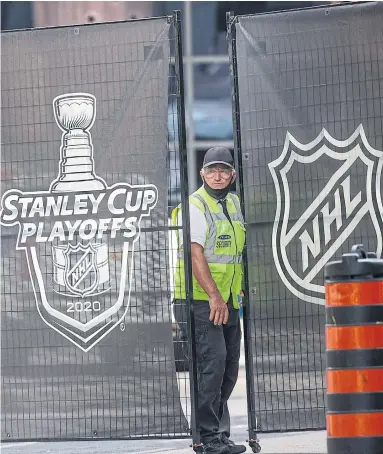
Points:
(354, 350)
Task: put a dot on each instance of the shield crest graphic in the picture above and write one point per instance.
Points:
(328, 197)
(82, 319)
(81, 271)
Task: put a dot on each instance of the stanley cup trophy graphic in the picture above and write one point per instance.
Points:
(75, 113)
(80, 269)
(79, 235)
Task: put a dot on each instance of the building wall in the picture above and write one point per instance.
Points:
(47, 14)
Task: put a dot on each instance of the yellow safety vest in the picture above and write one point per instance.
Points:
(223, 247)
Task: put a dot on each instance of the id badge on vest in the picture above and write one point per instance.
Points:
(224, 241)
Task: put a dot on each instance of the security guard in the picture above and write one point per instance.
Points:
(217, 239)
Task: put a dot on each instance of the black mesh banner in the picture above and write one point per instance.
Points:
(86, 326)
(309, 90)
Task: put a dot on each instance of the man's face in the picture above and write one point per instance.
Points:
(218, 176)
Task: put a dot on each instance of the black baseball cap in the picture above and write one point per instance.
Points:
(218, 155)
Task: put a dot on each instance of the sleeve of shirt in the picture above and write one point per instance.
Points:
(198, 225)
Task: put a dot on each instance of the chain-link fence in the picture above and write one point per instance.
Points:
(91, 135)
(308, 90)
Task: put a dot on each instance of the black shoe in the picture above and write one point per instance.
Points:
(233, 448)
(216, 446)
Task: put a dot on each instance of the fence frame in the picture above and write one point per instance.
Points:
(174, 20)
(194, 423)
(231, 21)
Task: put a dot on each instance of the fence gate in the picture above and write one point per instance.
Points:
(308, 88)
(90, 167)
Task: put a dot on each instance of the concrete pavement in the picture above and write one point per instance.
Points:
(281, 443)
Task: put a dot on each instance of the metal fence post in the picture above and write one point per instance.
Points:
(354, 350)
(252, 420)
(195, 432)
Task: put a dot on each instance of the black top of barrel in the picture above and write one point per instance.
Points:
(354, 265)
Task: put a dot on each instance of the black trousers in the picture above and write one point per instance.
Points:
(218, 352)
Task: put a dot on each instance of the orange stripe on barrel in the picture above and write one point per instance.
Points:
(355, 381)
(355, 425)
(351, 337)
(354, 293)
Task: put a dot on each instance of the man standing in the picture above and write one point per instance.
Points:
(217, 239)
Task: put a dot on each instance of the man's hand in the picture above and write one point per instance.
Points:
(219, 312)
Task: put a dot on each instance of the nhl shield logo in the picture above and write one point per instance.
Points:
(81, 271)
(328, 197)
(79, 235)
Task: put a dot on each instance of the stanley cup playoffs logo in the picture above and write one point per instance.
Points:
(79, 235)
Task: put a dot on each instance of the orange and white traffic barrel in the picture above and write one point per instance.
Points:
(354, 353)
